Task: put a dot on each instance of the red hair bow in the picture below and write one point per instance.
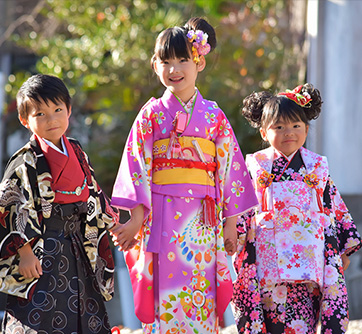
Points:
(300, 99)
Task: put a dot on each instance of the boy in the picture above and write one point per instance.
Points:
(55, 261)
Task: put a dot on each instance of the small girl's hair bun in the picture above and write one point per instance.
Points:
(198, 23)
(253, 107)
(314, 108)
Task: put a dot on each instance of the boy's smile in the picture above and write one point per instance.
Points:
(48, 120)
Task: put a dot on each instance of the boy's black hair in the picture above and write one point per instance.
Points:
(41, 88)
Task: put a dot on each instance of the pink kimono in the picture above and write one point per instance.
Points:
(181, 281)
(289, 263)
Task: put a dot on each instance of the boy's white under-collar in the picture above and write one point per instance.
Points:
(64, 151)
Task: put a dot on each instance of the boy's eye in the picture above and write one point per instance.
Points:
(58, 109)
(38, 114)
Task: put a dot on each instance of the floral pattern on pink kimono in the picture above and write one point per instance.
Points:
(178, 270)
(289, 265)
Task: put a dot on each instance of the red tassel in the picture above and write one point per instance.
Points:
(264, 206)
(320, 205)
(209, 211)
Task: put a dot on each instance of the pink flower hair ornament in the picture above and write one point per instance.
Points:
(295, 95)
(200, 47)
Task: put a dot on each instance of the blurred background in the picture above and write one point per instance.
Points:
(102, 50)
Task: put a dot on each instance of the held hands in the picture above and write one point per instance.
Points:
(230, 235)
(123, 234)
(29, 265)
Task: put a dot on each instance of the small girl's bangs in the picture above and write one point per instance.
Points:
(172, 43)
(282, 109)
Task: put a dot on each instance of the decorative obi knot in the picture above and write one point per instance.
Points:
(311, 180)
(265, 179)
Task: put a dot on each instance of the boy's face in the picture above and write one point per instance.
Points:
(48, 121)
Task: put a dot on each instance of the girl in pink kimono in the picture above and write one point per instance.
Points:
(295, 245)
(182, 176)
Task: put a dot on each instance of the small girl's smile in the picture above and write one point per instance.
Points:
(286, 136)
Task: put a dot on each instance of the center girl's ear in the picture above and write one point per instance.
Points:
(201, 64)
(154, 66)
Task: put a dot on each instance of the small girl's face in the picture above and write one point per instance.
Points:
(48, 121)
(285, 136)
(179, 75)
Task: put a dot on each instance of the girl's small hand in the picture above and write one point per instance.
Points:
(123, 234)
(29, 264)
(230, 235)
(345, 261)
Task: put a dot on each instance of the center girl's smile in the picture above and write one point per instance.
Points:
(176, 79)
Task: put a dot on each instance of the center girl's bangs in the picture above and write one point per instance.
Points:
(173, 43)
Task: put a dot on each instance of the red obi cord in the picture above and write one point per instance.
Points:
(164, 162)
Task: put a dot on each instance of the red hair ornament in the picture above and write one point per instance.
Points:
(295, 95)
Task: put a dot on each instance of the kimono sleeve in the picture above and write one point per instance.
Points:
(236, 190)
(349, 239)
(20, 221)
(133, 182)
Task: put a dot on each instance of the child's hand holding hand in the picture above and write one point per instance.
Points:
(123, 234)
(230, 235)
(29, 265)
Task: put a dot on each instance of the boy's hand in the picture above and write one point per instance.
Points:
(123, 234)
(29, 265)
(230, 235)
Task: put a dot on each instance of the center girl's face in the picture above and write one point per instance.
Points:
(286, 136)
(179, 75)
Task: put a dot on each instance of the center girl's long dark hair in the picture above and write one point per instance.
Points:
(173, 42)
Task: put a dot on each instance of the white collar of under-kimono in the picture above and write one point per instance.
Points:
(64, 151)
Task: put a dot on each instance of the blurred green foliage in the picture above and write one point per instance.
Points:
(102, 49)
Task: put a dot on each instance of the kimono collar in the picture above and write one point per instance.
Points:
(50, 144)
(172, 104)
(266, 157)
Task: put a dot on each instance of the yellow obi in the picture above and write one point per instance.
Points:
(178, 171)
